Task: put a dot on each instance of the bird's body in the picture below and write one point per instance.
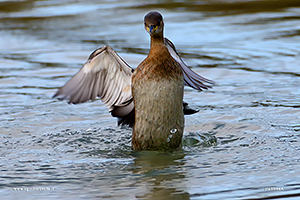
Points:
(150, 99)
(157, 88)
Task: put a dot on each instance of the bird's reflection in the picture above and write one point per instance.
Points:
(162, 175)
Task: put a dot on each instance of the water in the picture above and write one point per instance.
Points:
(243, 144)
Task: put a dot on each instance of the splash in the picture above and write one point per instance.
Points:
(174, 130)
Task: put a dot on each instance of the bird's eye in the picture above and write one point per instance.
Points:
(158, 23)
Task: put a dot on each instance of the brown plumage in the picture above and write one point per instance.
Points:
(157, 88)
(149, 98)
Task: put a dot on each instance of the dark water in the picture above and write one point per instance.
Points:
(243, 144)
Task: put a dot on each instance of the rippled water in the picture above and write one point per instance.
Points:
(243, 144)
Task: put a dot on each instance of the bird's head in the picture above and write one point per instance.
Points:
(154, 23)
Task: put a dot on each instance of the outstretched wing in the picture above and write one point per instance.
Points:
(191, 78)
(105, 75)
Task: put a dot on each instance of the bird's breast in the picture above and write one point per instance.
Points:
(158, 98)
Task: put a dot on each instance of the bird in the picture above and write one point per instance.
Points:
(149, 98)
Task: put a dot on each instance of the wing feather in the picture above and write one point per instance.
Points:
(191, 78)
(104, 75)
(108, 76)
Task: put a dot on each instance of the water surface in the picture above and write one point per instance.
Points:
(243, 144)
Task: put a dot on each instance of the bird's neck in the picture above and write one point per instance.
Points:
(156, 39)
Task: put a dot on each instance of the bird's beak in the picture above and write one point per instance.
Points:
(152, 29)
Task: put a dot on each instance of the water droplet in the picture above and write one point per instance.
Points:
(174, 130)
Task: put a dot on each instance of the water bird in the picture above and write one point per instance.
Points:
(149, 98)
